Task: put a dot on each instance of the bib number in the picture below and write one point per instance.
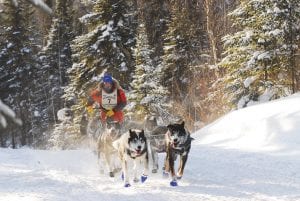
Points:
(109, 100)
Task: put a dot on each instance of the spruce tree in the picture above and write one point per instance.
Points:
(182, 47)
(148, 94)
(257, 55)
(17, 62)
(56, 57)
(107, 46)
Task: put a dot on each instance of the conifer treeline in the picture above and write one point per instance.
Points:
(194, 58)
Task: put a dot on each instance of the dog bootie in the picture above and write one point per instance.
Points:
(143, 178)
(122, 176)
(165, 174)
(173, 183)
(127, 185)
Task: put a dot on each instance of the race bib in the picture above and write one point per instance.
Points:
(109, 100)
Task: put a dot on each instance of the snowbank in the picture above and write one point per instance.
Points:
(272, 126)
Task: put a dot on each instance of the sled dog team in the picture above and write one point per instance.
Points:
(138, 145)
(135, 144)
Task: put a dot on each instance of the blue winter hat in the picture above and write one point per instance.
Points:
(107, 78)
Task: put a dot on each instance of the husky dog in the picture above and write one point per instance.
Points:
(157, 144)
(105, 147)
(156, 136)
(133, 146)
(178, 142)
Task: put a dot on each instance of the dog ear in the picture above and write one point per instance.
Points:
(142, 134)
(182, 124)
(131, 133)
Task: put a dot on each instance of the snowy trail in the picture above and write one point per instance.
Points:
(251, 154)
(212, 174)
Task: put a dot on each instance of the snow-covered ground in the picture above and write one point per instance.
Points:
(250, 154)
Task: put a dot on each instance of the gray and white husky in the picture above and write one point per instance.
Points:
(132, 146)
(107, 154)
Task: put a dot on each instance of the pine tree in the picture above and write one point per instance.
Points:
(106, 46)
(17, 61)
(183, 45)
(56, 57)
(54, 61)
(148, 94)
(256, 59)
(65, 134)
(155, 14)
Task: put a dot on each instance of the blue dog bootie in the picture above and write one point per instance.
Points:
(127, 185)
(165, 174)
(143, 178)
(173, 183)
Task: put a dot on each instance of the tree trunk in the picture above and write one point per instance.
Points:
(210, 19)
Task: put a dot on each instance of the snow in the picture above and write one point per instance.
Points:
(64, 114)
(38, 3)
(266, 96)
(123, 66)
(272, 126)
(248, 154)
(248, 36)
(36, 113)
(5, 111)
(264, 55)
(9, 45)
(42, 5)
(86, 17)
(249, 80)
(275, 32)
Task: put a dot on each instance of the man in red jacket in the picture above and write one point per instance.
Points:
(111, 99)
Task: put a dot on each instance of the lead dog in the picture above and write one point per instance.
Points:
(155, 135)
(178, 142)
(133, 146)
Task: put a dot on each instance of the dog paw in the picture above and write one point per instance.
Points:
(154, 171)
(165, 174)
(111, 174)
(143, 178)
(127, 185)
(173, 183)
(135, 180)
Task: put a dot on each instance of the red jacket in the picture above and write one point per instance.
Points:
(96, 96)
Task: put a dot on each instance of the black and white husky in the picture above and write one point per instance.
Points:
(178, 143)
(133, 146)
